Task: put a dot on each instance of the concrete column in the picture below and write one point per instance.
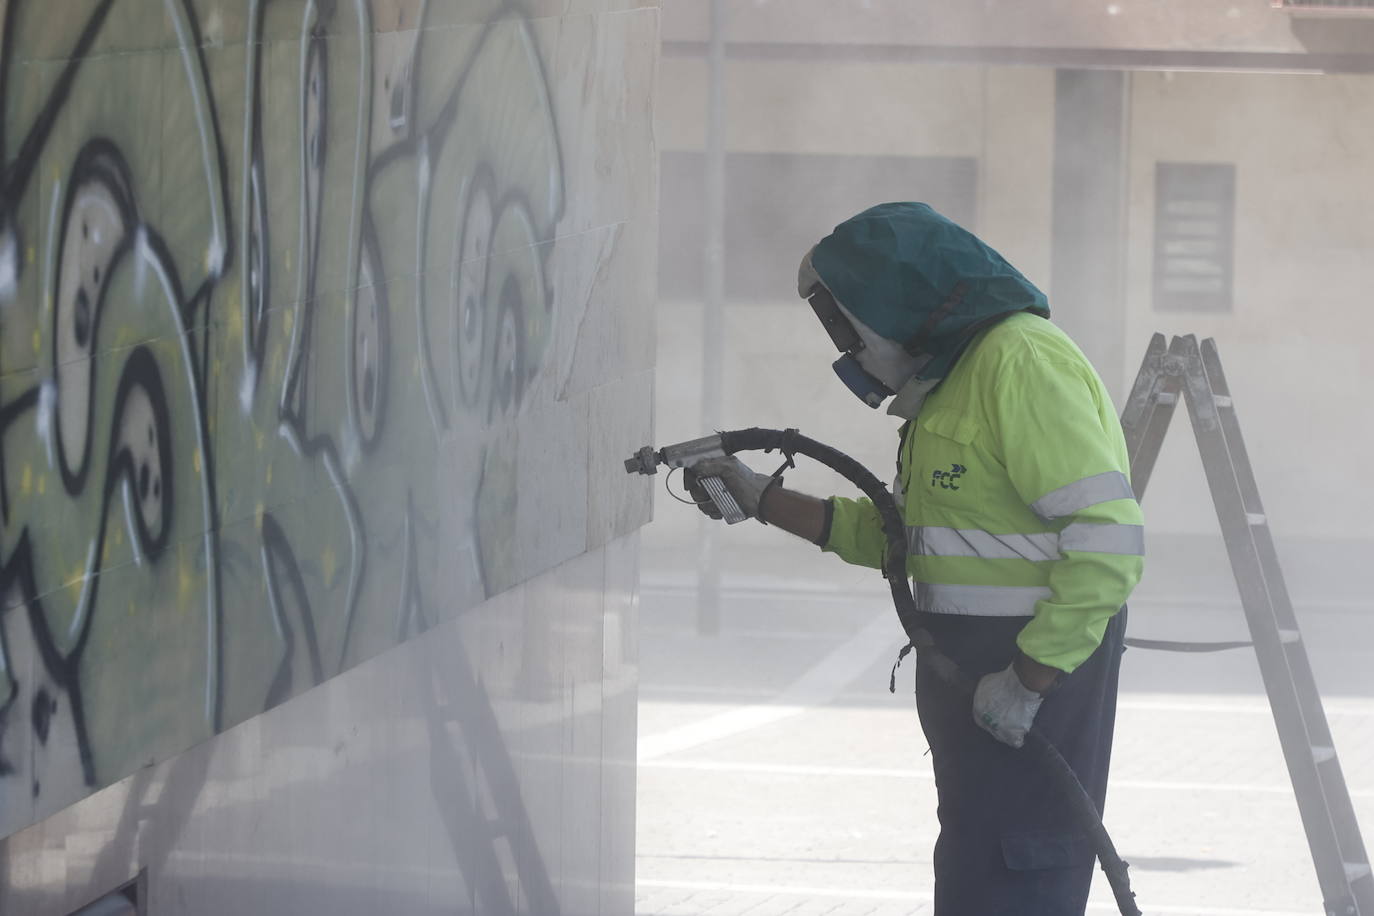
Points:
(1087, 257)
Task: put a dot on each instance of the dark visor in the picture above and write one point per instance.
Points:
(840, 329)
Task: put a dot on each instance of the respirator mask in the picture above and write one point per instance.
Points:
(872, 367)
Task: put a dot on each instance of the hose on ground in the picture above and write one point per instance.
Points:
(1080, 805)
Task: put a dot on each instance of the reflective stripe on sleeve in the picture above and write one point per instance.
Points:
(1081, 494)
(979, 600)
(1127, 540)
(929, 541)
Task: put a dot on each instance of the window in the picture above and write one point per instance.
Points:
(1195, 216)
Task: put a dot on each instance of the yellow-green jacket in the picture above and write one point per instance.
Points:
(1014, 486)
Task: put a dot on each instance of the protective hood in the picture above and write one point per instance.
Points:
(918, 279)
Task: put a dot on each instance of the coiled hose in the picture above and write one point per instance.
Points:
(1081, 806)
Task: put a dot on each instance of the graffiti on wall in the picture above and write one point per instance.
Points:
(274, 283)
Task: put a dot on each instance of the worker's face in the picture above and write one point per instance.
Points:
(872, 366)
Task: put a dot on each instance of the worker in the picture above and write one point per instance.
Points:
(1024, 536)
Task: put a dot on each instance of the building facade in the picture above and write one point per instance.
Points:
(1183, 168)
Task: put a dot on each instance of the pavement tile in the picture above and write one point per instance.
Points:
(838, 796)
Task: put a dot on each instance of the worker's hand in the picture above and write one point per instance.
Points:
(1004, 707)
(746, 485)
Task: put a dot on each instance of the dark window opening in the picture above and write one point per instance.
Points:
(1195, 222)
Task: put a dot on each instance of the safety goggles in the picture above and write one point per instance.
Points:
(865, 386)
(841, 330)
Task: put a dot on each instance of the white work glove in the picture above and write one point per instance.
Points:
(1004, 707)
(745, 484)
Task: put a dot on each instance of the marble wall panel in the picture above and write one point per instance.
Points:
(606, 65)
(411, 783)
(619, 426)
(323, 326)
(619, 724)
(615, 334)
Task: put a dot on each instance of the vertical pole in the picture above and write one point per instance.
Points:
(1087, 257)
(713, 307)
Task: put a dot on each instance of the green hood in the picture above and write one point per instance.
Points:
(896, 264)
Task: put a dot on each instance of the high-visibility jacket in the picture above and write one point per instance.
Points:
(1013, 481)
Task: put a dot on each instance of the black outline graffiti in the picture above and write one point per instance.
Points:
(141, 373)
(280, 570)
(99, 164)
(196, 295)
(370, 418)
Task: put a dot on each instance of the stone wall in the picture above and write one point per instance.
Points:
(324, 326)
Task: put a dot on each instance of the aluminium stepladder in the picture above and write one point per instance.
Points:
(1333, 834)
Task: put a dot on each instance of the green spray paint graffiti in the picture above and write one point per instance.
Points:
(273, 287)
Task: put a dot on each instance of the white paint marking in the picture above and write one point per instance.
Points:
(421, 300)
(1213, 703)
(9, 267)
(214, 253)
(795, 890)
(336, 476)
(869, 893)
(923, 774)
(250, 80)
(51, 244)
(555, 188)
(42, 420)
(818, 686)
(202, 441)
(361, 151)
(274, 610)
(293, 354)
(141, 258)
(214, 28)
(248, 386)
(128, 491)
(83, 602)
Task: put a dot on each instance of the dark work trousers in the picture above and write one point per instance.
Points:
(1007, 846)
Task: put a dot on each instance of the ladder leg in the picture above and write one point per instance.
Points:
(1319, 787)
(1149, 408)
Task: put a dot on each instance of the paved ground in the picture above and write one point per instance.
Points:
(778, 776)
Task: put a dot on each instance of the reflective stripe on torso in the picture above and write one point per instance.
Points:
(975, 545)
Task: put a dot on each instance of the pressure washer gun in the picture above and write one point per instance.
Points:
(685, 455)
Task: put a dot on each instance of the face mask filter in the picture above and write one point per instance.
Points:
(858, 380)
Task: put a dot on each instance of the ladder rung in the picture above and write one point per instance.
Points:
(1193, 371)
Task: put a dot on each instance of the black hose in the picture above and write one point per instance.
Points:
(1080, 804)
